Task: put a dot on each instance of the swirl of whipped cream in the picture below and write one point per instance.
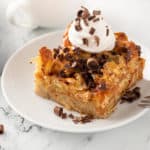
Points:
(91, 33)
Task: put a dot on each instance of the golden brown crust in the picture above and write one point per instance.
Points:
(120, 72)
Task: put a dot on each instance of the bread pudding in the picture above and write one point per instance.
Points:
(88, 81)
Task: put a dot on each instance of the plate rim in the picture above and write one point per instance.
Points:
(93, 130)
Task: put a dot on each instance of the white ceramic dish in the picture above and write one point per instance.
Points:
(18, 84)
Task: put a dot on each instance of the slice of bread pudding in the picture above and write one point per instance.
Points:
(89, 83)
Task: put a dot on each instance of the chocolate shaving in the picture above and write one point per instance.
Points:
(85, 14)
(83, 119)
(64, 115)
(138, 49)
(78, 27)
(89, 80)
(65, 50)
(77, 50)
(79, 13)
(61, 57)
(92, 64)
(69, 57)
(85, 22)
(85, 41)
(97, 40)
(1, 129)
(91, 18)
(107, 32)
(86, 119)
(96, 19)
(102, 59)
(56, 52)
(71, 116)
(131, 95)
(147, 97)
(96, 12)
(58, 111)
(76, 119)
(92, 31)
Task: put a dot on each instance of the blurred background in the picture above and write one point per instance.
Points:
(128, 16)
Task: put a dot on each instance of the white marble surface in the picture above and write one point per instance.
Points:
(23, 135)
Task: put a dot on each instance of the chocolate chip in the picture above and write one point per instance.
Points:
(89, 80)
(58, 111)
(85, 41)
(92, 64)
(56, 52)
(97, 40)
(63, 115)
(138, 49)
(69, 57)
(81, 65)
(55, 55)
(71, 116)
(1, 129)
(65, 50)
(113, 52)
(91, 18)
(96, 12)
(96, 19)
(92, 30)
(61, 57)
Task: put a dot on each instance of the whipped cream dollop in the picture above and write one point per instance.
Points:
(90, 32)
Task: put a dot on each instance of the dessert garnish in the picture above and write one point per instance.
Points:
(1, 128)
(131, 95)
(76, 119)
(90, 32)
(59, 112)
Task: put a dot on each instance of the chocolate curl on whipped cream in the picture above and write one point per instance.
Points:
(90, 32)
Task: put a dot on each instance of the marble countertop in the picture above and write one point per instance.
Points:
(23, 135)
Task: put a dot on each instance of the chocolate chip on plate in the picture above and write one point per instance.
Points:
(58, 111)
(1, 129)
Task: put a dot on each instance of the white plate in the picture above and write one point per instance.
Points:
(18, 83)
